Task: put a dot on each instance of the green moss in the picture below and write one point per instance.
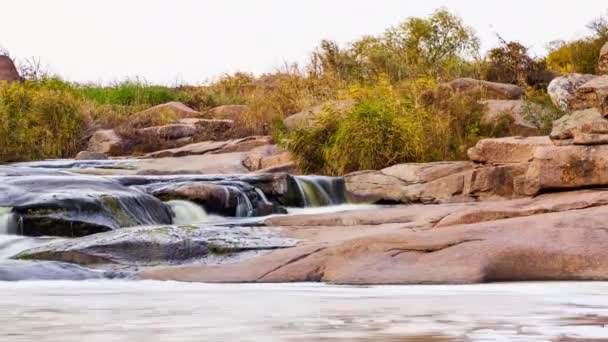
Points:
(115, 209)
(221, 249)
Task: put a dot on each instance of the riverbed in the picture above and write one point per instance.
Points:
(169, 311)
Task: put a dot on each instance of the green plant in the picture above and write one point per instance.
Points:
(39, 120)
(130, 93)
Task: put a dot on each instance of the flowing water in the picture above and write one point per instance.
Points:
(187, 212)
(107, 311)
(320, 191)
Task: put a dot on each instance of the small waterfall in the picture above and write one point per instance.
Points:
(187, 212)
(244, 207)
(319, 191)
(8, 222)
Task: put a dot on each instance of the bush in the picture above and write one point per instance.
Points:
(580, 56)
(39, 120)
(416, 122)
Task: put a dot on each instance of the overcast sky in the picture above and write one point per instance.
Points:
(190, 41)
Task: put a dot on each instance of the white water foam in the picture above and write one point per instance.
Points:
(187, 212)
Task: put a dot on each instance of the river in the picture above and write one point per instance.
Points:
(167, 311)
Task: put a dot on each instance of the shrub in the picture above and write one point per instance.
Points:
(39, 120)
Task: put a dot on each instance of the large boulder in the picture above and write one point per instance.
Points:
(64, 204)
(603, 61)
(229, 112)
(267, 157)
(105, 141)
(161, 114)
(439, 182)
(170, 132)
(506, 150)
(139, 246)
(583, 127)
(8, 72)
(562, 90)
(515, 112)
(491, 90)
(306, 117)
(228, 198)
(593, 94)
(566, 167)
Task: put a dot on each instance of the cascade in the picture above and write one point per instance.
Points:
(187, 212)
(319, 191)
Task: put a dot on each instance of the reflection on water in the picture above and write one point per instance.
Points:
(168, 311)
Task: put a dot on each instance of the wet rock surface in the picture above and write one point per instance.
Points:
(63, 204)
(17, 270)
(141, 246)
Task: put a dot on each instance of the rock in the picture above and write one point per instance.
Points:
(567, 245)
(289, 167)
(492, 90)
(506, 150)
(307, 117)
(593, 94)
(582, 121)
(227, 163)
(158, 245)
(207, 129)
(87, 155)
(230, 112)
(170, 132)
(515, 112)
(8, 72)
(267, 157)
(543, 204)
(244, 144)
(105, 141)
(65, 204)
(227, 198)
(160, 114)
(216, 147)
(602, 67)
(567, 167)
(562, 90)
(391, 184)
(442, 182)
(18, 270)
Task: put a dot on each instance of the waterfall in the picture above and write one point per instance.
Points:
(244, 207)
(319, 191)
(187, 212)
(8, 223)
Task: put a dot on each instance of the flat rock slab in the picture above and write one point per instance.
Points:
(139, 246)
(226, 163)
(569, 245)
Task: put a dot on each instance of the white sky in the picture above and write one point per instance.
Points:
(189, 41)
